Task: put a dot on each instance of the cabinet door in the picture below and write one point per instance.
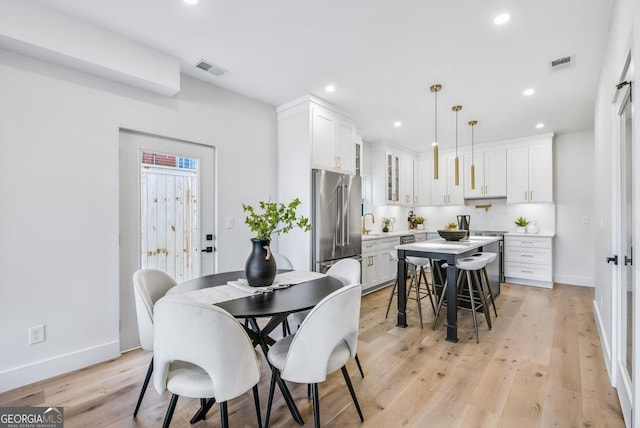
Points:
(369, 269)
(406, 180)
(540, 173)
(495, 173)
(478, 162)
(344, 146)
(322, 138)
(392, 165)
(518, 175)
(455, 194)
(386, 266)
(424, 176)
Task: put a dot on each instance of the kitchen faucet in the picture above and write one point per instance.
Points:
(365, 231)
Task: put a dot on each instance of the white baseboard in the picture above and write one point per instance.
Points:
(30, 373)
(573, 280)
(604, 342)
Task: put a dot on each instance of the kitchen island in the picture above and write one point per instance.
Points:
(449, 252)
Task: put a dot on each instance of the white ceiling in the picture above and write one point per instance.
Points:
(383, 56)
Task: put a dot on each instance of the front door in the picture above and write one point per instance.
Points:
(166, 215)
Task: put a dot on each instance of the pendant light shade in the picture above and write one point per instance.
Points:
(435, 89)
(456, 109)
(472, 123)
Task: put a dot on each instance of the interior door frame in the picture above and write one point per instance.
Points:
(628, 392)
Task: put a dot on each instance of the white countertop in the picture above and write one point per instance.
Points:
(378, 235)
(531, 235)
(439, 245)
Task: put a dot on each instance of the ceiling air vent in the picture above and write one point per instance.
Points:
(211, 68)
(561, 62)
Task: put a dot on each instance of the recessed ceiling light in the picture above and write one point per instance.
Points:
(501, 19)
(330, 88)
(191, 2)
(397, 124)
(540, 125)
(528, 92)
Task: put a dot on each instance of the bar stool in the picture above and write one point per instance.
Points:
(491, 257)
(469, 268)
(419, 274)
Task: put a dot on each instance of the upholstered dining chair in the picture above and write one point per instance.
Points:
(325, 341)
(201, 351)
(348, 272)
(149, 285)
(282, 262)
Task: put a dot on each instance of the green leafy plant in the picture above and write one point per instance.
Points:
(275, 218)
(521, 222)
(418, 220)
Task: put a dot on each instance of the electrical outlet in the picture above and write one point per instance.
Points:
(36, 334)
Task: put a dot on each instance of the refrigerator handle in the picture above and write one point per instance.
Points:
(340, 209)
(346, 217)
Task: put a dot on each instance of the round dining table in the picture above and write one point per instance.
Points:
(276, 305)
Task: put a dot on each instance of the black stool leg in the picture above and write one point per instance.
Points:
(359, 366)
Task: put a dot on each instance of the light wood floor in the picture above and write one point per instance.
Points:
(540, 366)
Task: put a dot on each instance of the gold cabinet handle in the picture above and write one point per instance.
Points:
(531, 195)
(525, 196)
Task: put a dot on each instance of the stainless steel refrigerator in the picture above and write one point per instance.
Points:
(336, 216)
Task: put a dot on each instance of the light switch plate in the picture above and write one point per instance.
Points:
(229, 223)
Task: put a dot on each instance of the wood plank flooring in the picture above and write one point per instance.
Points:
(540, 366)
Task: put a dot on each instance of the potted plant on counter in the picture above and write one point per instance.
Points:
(521, 224)
(274, 218)
(419, 221)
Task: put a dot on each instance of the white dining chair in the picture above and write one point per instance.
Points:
(348, 272)
(282, 262)
(325, 341)
(149, 285)
(201, 351)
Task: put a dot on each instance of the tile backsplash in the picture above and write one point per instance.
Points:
(499, 216)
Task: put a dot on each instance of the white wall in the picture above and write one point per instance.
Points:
(624, 14)
(573, 256)
(59, 192)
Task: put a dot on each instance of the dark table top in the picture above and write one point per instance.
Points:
(296, 298)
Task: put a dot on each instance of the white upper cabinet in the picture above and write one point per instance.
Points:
(333, 138)
(444, 191)
(490, 174)
(393, 174)
(530, 173)
(423, 177)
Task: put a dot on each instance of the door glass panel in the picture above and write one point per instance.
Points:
(629, 281)
(169, 214)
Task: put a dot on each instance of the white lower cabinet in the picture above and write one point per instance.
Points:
(378, 267)
(528, 260)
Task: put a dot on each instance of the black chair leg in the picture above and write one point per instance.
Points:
(256, 400)
(316, 405)
(170, 410)
(359, 366)
(144, 387)
(352, 392)
(205, 406)
(224, 415)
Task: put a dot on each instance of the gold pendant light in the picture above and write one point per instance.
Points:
(457, 162)
(435, 89)
(472, 123)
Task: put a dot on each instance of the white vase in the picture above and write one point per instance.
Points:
(521, 229)
(533, 228)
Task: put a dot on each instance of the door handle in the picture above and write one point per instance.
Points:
(628, 261)
(207, 250)
(613, 259)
